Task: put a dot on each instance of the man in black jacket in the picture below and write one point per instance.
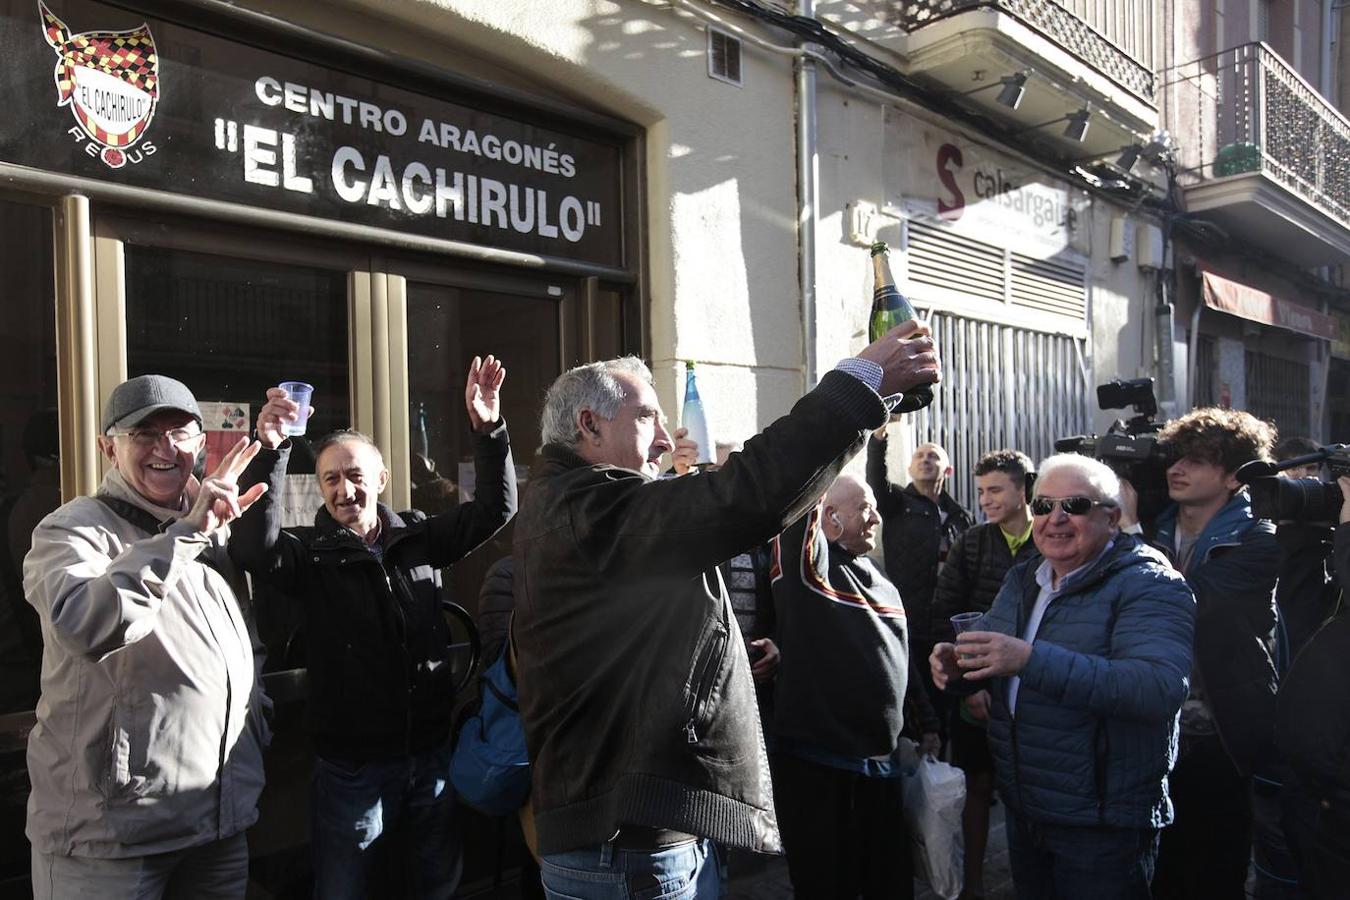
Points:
(1229, 557)
(635, 690)
(1313, 735)
(919, 524)
(968, 582)
(377, 646)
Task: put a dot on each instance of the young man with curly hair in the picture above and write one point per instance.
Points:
(1230, 559)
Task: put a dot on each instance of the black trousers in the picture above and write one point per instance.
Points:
(844, 833)
(1206, 851)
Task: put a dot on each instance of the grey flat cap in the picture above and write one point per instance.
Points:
(134, 400)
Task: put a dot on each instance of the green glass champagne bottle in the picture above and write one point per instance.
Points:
(889, 309)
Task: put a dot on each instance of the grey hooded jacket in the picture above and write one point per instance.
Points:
(149, 732)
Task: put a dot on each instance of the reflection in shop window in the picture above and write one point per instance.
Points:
(30, 487)
(30, 475)
(231, 328)
(447, 327)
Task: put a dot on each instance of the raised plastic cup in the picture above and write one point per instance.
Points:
(300, 393)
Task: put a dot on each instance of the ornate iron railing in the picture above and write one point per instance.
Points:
(1127, 24)
(1246, 110)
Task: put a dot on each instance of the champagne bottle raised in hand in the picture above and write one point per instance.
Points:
(693, 419)
(889, 309)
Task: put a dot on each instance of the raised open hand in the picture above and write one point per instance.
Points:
(482, 392)
(218, 501)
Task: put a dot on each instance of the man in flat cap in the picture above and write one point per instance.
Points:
(146, 759)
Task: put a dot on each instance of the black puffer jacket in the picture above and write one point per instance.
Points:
(635, 690)
(972, 575)
(1232, 573)
(496, 602)
(377, 646)
(911, 536)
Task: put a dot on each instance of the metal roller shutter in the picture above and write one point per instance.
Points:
(1002, 387)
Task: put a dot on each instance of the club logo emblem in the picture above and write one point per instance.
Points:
(110, 81)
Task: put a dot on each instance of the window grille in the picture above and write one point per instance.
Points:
(1206, 371)
(1001, 387)
(1278, 391)
(724, 57)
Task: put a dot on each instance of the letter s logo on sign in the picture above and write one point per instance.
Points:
(949, 162)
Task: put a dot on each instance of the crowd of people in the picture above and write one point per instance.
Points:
(709, 662)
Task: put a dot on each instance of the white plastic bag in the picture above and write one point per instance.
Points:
(935, 794)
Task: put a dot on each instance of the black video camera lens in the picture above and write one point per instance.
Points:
(1296, 499)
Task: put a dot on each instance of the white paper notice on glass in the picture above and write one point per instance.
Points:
(300, 500)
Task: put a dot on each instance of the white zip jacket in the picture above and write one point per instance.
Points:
(149, 732)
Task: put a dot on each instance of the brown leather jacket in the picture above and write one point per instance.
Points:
(635, 690)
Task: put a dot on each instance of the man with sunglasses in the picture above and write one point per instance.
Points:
(146, 759)
(1085, 654)
(1231, 560)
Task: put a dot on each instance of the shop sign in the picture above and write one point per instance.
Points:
(1257, 305)
(943, 180)
(98, 92)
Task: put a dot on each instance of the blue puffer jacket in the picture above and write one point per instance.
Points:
(1095, 732)
(1233, 570)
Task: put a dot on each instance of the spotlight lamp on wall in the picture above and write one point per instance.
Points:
(1128, 157)
(1013, 89)
(1075, 130)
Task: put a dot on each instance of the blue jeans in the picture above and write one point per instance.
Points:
(1071, 862)
(683, 872)
(355, 808)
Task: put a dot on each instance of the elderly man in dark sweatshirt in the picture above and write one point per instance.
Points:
(839, 703)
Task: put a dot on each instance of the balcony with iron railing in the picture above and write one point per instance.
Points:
(1079, 61)
(1115, 37)
(1262, 153)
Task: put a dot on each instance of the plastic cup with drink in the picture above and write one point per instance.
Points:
(300, 392)
(966, 621)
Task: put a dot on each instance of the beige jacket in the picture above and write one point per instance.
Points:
(149, 732)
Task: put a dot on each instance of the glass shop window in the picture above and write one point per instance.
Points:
(30, 474)
(231, 328)
(447, 327)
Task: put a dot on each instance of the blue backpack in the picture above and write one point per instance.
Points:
(490, 767)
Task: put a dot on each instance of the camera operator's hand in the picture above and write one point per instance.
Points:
(1344, 483)
(1129, 505)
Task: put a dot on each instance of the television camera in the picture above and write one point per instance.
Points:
(1130, 446)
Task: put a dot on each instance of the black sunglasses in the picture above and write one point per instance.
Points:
(1074, 506)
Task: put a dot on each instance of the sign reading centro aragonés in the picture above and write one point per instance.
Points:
(95, 91)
